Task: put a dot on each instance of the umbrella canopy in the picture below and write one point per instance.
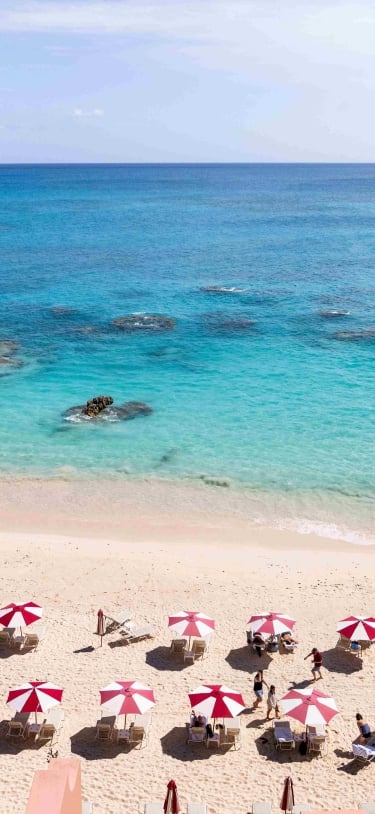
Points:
(358, 628)
(35, 696)
(191, 623)
(127, 697)
(310, 707)
(271, 622)
(14, 615)
(171, 802)
(287, 800)
(216, 701)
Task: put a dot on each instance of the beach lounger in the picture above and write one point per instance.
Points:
(299, 808)
(261, 808)
(32, 639)
(196, 734)
(117, 619)
(366, 754)
(198, 650)
(6, 636)
(232, 733)
(87, 807)
(283, 735)
(368, 808)
(213, 740)
(138, 633)
(196, 808)
(139, 732)
(154, 808)
(178, 646)
(17, 727)
(52, 725)
(348, 646)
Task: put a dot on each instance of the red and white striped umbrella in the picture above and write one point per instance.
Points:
(216, 701)
(171, 802)
(357, 628)
(127, 698)
(14, 615)
(271, 622)
(191, 623)
(308, 706)
(287, 800)
(35, 696)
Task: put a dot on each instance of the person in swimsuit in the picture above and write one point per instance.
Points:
(272, 703)
(259, 643)
(317, 662)
(364, 728)
(258, 688)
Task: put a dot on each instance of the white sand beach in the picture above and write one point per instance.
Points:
(75, 547)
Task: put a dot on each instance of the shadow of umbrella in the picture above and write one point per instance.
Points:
(341, 661)
(161, 658)
(83, 743)
(246, 659)
(174, 744)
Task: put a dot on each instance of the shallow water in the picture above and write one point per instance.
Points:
(254, 385)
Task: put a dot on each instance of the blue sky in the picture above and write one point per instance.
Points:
(173, 80)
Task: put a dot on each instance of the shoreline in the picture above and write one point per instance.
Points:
(133, 509)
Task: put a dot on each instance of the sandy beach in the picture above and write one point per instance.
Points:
(157, 548)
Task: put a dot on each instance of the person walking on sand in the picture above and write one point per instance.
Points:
(364, 728)
(272, 703)
(317, 662)
(258, 689)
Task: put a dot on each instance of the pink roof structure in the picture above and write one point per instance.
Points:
(57, 789)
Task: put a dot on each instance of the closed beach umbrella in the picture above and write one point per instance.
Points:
(127, 697)
(35, 696)
(191, 623)
(287, 800)
(216, 701)
(271, 622)
(171, 802)
(14, 615)
(310, 707)
(100, 625)
(357, 628)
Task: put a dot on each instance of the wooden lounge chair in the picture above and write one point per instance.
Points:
(138, 633)
(363, 752)
(117, 619)
(140, 730)
(51, 726)
(32, 639)
(178, 646)
(17, 727)
(283, 735)
(261, 808)
(103, 732)
(198, 650)
(345, 644)
(6, 636)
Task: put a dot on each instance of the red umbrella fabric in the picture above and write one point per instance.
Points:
(127, 697)
(171, 802)
(357, 628)
(191, 623)
(217, 701)
(100, 625)
(14, 615)
(310, 707)
(35, 696)
(271, 622)
(287, 800)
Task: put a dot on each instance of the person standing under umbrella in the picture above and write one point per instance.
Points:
(317, 662)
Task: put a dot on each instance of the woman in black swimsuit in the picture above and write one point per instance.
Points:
(258, 688)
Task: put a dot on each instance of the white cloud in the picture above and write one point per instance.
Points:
(96, 112)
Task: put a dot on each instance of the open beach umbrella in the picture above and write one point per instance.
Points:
(287, 800)
(357, 628)
(271, 622)
(191, 623)
(14, 615)
(308, 706)
(171, 802)
(127, 697)
(35, 696)
(216, 701)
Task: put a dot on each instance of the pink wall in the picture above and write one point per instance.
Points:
(57, 789)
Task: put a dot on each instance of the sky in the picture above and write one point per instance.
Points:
(187, 80)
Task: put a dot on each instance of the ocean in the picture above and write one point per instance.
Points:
(266, 381)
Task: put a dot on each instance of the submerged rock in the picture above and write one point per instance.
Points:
(6, 360)
(62, 309)
(221, 289)
(8, 347)
(96, 405)
(333, 314)
(361, 335)
(124, 412)
(222, 324)
(144, 322)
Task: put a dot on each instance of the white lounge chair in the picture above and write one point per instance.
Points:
(154, 808)
(367, 807)
(51, 725)
(261, 808)
(138, 633)
(196, 734)
(363, 752)
(87, 807)
(198, 650)
(283, 735)
(299, 808)
(117, 619)
(196, 808)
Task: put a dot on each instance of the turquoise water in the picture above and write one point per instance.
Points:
(254, 385)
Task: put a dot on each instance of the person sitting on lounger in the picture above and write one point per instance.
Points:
(288, 638)
(364, 728)
(259, 643)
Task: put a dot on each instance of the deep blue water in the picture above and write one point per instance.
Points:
(254, 385)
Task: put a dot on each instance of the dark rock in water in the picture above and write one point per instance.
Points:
(221, 324)
(96, 405)
(362, 335)
(144, 322)
(8, 347)
(210, 481)
(221, 289)
(7, 361)
(62, 309)
(333, 314)
(130, 409)
(124, 412)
